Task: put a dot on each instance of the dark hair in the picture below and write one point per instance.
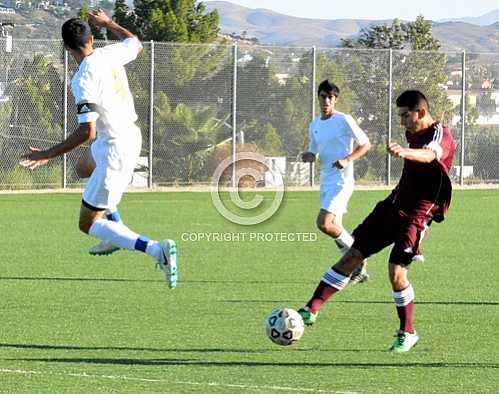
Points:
(75, 33)
(413, 99)
(328, 87)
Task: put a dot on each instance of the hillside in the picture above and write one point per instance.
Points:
(273, 28)
(485, 20)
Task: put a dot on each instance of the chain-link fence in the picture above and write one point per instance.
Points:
(198, 104)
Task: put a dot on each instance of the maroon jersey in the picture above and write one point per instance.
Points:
(425, 189)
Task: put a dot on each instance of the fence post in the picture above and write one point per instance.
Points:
(151, 117)
(463, 116)
(314, 77)
(65, 119)
(234, 114)
(389, 136)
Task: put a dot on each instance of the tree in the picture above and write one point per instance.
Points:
(415, 35)
(379, 36)
(175, 20)
(272, 145)
(35, 118)
(419, 35)
(123, 15)
(185, 138)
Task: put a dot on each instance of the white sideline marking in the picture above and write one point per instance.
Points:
(210, 384)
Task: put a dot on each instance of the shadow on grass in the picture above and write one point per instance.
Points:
(202, 282)
(237, 364)
(172, 350)
(472, 303)
(125, 348)
(76, 279)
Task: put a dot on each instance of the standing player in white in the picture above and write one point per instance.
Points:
(106, 110)
(338, 141)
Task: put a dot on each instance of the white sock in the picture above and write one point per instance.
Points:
(114, 233)
(344, 239)
(334, 279)
(120, 235)
(153, 249)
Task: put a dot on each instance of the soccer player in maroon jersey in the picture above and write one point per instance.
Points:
(422, 196)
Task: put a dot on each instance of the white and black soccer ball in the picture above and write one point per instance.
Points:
(284, 326)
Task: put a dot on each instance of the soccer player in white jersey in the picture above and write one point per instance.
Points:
(338, 141)
(106, 113)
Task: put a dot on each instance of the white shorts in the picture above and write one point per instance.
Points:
(114, 166)
(334, 198)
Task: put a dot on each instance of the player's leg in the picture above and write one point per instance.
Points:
(104, 248)
(334, 202)
(403, 295)
(85, 165)
(405, 251)
(93, 222)
(333, 281)
(372, 235)
(104, 190)
(330, 223)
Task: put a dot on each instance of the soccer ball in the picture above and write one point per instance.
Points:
(284, 326)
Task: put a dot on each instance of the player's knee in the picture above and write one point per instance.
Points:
(350, 261)
(329, 228)
(323, 226)
(84, 225)
(398, 277)
(354, 255)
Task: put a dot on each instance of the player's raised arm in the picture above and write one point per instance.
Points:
(101, 19)
(120, 53)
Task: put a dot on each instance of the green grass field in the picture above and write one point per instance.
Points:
(73, 323)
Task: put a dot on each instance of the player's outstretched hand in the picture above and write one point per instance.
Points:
(34, 159)
(308, 157)
(396, 150)
(99, 18)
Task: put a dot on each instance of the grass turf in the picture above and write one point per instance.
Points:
(76, 323)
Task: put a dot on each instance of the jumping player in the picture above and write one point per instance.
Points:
(106, 110)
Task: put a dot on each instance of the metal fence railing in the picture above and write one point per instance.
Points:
(198, 104)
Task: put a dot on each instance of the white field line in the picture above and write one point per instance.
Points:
(170, 382)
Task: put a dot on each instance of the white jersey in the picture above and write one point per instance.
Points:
(101, 91)
(334, 139)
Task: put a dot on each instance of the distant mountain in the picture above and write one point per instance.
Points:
(273, 28)
(485, 20)
(472, 38)
(277, 29)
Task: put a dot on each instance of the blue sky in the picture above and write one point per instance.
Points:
(375, 9)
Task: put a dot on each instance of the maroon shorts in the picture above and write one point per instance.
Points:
(387, 225)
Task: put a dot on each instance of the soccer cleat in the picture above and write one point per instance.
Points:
(103, 249)
(308, 317)
(360, 274)
(168, 262)
(404, 341)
